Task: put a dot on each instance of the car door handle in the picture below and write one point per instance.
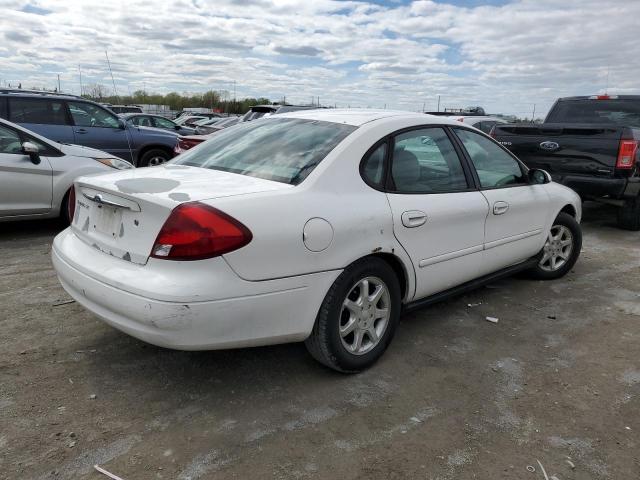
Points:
(500, 207)
(413, 218)
(81, 130)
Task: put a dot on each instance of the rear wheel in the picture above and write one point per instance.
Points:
(629, 215)
(561, 249)
(358, 317)
(154, 157)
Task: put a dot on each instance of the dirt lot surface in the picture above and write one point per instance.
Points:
(557, 380)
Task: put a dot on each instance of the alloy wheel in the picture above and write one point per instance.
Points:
(557, 249)
(364, 315)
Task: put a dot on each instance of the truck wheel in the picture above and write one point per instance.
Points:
(358, 317)
(629, 215)
(154, 157)
(561, 249)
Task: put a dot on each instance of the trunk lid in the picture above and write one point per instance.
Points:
(122, 213)
(563, 149)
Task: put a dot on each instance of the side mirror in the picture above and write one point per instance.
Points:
(177, 127)
(32, 150)
(122, 124)
(537, 176)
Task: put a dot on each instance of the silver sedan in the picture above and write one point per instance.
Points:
(36, 174)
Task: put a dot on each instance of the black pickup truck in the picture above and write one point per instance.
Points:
(589, 144)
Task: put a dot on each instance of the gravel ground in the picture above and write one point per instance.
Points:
(556, 380)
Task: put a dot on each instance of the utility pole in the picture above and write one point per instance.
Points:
(58, 83)
(423, 106)
(234, 91)
(80, 73)
(438, 102)
(111, 72)
(533, 115)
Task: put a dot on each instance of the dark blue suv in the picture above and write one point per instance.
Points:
(70, 119)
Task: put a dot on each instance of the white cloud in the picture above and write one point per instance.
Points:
(505, 58)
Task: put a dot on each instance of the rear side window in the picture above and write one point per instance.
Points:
(90, 115)
(495, 167)
(373, 166)
(284, 150)
(163, 123)
(141, 121)
(425, 161)
(37, 110)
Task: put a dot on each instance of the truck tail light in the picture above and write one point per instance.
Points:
(195, 231)
(627, 154)
(492, 132)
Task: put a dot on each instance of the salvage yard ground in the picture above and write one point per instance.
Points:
(557, 379)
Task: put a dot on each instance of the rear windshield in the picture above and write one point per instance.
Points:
(284, 150)
(616, 112)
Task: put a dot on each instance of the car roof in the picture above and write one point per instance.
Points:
(360, 116)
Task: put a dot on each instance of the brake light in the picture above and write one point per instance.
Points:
(186, 144)
(627, 154)
(603, 97)
(195, 231)
(71, 203)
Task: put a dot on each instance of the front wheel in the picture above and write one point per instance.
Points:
(154, 157)
(561, 249)
(358, 317)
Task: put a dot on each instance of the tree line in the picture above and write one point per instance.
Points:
(212, 99)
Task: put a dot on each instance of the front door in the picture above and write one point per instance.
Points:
(98, 128)
(438, 216)
(46, 116)
(517, 210)
(25, 188)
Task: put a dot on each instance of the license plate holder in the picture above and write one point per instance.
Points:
(107, 220)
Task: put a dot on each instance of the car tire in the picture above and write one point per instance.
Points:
(373, 320)
(561, 249)
(154, 157)
(64, 209)
(629, 215)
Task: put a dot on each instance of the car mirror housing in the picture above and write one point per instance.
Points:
(537, 176)
(31, 149)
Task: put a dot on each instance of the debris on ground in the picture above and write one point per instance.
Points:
(551, 317)
(66, 302)
(471, 305)
(571, 464)
(492, 319)
(543, 470)
(108, 474)
(531, 468)
(93, 396)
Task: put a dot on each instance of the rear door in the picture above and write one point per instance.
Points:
(25, 188)
(98, 128)
(438, 215)
(517, 210)
(46, 116)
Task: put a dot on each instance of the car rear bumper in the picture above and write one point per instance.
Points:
(261, 313)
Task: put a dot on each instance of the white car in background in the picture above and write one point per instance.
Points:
(319, 226)
(484, 123)
(36, 174)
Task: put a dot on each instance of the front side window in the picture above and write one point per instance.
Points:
(425, 161)
(37, 110)
(495, 167)
(141, 121)
(90, 115)
(10, 141)
(163, 123)
(283, 150)
(373, 166)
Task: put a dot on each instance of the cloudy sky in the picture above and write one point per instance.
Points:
(503, 55)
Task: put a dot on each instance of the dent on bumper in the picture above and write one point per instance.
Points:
(284, 313)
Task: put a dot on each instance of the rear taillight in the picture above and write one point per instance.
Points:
(71, 203)
(195, 231)
(492, 132)
(627, 154)
(186, 143)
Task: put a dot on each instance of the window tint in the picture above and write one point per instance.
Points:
(9, 141)
(615, 111)
(424, 161)
(89, 115)
(373, 166)
(495, 167)
(37, 110)
(163, 123)
(284, 150)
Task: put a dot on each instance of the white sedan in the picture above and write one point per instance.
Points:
(320, 226)
(36, 174)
